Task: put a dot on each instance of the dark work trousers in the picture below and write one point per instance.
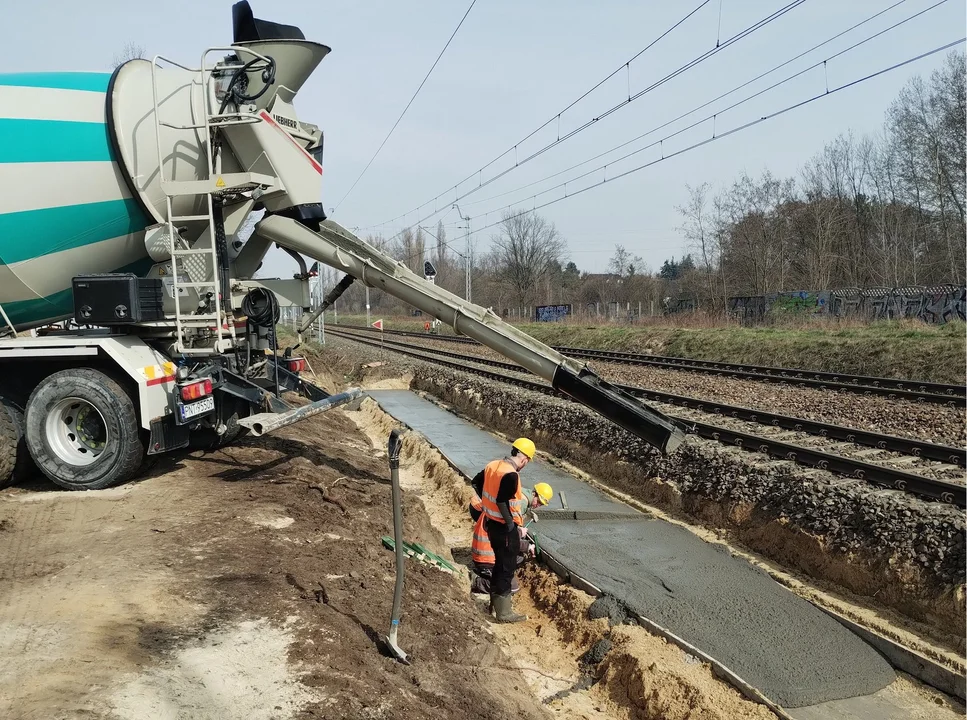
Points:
(506, 545)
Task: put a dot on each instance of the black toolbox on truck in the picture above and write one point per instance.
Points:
(117, 299)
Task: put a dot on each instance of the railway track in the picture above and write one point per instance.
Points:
(885, 476)
(890, 388)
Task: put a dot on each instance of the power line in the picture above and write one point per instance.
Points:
(734, 130)
(624, 103)
(557, 115)
(706, 104)
(474, 2)
(445, 243)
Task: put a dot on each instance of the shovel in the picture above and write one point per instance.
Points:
(395, 444)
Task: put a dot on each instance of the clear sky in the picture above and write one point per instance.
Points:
(513, 66)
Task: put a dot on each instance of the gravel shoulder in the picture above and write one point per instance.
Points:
(922, 421)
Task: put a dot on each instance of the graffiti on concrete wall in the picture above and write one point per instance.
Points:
(747, 308)
(936, 305)
(944, 306)
(552, 313)
(800, 302)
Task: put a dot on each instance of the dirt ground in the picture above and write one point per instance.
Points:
(228, 584)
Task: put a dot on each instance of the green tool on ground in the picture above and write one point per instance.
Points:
(418, 552)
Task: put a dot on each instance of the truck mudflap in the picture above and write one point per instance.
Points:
(339, 248)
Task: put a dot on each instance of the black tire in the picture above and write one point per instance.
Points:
(10, 441)
(13, 442)
(63, 452)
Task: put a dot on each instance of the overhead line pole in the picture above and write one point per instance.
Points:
(469, 258)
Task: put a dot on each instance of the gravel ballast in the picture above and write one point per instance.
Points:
(922, 421)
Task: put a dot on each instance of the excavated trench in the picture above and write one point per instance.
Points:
(608, 667)
(891, 549)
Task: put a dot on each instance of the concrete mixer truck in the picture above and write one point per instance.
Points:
(123, 197)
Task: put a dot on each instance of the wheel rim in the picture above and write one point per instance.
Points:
(76, 431)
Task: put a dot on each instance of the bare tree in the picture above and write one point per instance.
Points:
(442, 258)
(526, 248)
(130, 51)
(410, 249)
(419, 252)
(926, 123)
(624, 264)
(704, 235)
(756, 243)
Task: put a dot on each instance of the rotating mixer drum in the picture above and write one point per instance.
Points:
(66, 208)
(81, 157)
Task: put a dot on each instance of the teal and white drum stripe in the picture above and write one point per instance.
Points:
(65, 209)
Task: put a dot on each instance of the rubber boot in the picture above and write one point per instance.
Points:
(504, 609)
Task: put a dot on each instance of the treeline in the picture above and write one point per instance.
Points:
(884, 210)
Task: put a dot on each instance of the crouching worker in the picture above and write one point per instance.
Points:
(503, 505)
(482, 554)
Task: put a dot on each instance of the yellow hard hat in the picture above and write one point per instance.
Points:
(525, 446)
(544, 492)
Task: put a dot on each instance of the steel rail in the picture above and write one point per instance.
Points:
(890, 388)
(940, 490)
(933, 392)
(892, 443)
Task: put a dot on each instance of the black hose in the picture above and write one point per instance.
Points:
(262, 309)
(221, 248)
(236, 95)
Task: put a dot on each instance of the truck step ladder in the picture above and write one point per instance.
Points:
(210, 187)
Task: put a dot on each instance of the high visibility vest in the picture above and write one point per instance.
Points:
(493, 474)
(481, 551)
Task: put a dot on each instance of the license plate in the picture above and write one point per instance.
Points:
(198, 408)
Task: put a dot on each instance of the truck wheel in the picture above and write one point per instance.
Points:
(15, 461)
(9, 448)
(82, 430)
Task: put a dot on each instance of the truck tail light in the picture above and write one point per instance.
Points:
(196, 390)
(295, 365)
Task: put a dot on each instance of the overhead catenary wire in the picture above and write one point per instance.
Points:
(732, 131)
(598, 117)
(557, 116)
(392, 129)
(445, 243)
(712, 116)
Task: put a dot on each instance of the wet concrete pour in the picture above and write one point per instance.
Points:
(778, 643)
(789, 650)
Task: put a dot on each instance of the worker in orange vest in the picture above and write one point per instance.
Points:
(503, 503)
(481, 552)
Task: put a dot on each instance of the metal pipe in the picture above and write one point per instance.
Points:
(263, 423)
(336, 246)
